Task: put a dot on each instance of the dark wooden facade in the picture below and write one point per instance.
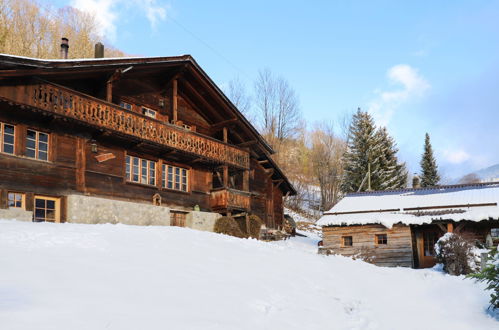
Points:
(185, 143)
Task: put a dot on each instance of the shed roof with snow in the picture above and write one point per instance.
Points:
(473, 202)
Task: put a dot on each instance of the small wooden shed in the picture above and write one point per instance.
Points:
(401, 227)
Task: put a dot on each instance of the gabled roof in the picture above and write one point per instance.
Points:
(19, 65)
(474, 202)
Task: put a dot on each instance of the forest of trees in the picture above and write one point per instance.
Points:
(323, 160)
(33, 29)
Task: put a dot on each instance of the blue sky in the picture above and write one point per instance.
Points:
(425, 66)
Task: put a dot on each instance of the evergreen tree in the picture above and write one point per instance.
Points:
(393, 174)
(362, 149)
(429, 169)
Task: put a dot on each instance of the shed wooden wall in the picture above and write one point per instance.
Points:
(398, 251)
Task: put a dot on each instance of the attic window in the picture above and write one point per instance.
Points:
(148, 112)
(125, 105)
(346, 241)
(381, 239)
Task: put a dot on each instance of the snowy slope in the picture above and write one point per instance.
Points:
(489, 174)
(70, 276)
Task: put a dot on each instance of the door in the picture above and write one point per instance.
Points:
(177, 218)
(47, 209)
(426, 247)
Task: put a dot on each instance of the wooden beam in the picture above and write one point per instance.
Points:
(246, 180)
(263, 161)
(459, 227)
(202, 99)
(109, 91)
(450, 227)
(174, 100)
(225, 176)
(442, 227)
(224, 123)
(226, 134)
(81, 162)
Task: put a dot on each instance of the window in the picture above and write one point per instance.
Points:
(15, 200)
(140, 170)
(429, 240)
(125, 105)
(37, 145)
(494, 232)
(346, 241)
(381, 239)
(46, 209)
(187, 127)
(148, 112)
(175, 178)
(7, 138)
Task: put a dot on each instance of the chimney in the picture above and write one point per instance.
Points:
(99, 50)
(416, 182)
(64, 48)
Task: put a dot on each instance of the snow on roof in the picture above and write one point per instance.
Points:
(474, 202)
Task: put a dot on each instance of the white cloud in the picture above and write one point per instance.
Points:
(108, 12)
(386, 103)
(456, 156)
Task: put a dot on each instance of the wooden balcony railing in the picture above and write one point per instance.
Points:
(223, 199)
(90, 110)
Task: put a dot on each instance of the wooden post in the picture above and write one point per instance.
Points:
(226, 176)
(81, 163)
(174, 100)
(450, 227)
(109, 91)
(246, 180)
(226, 134)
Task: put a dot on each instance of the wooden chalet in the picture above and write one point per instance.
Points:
(401, 227)
(133, 140)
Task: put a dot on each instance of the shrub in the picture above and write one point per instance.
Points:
(255, 225)
(228, 226)
(490, 275)
(456, 254)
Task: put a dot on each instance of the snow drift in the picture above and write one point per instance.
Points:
(70, 276)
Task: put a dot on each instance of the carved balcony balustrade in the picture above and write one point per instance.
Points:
(99, 113)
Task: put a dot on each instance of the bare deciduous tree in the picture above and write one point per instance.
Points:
(28, 28)
(326, 157)
(236, 91)
(470, 178)
(278, 108)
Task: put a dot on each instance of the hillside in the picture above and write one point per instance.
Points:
(490, 173)
(70, 276)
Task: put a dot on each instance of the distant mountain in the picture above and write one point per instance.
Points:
(489, 174)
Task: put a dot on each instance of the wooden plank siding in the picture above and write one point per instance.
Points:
(397, 251)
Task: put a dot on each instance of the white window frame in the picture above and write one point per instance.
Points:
(149, 112)
(2, 139)
(38, 144)
(143, 169)
(126, 105)
(175, 178)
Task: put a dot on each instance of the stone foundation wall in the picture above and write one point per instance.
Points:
(16, 214)
(93, 210)
(204, 221)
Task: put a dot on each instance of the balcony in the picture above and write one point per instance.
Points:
(101, 114)
(229, 199)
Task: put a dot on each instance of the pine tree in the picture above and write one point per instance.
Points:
(362, 149)
(393, 174)
(429, 169)
(366, 145)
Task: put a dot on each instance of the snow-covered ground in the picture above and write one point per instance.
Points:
(70, 276)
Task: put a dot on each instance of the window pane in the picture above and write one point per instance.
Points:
(42, 155)
(8, 148)
(9, 129)
(39, 215)
(8, 139)
(39, 203)
(31, 135)
(11, 199)
(30, 144)
(43, 146)
(50, 204)
(42, 137)
(30, 153)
